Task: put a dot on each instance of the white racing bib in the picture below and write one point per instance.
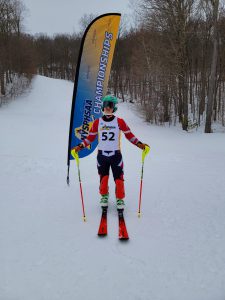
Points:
(108, 135)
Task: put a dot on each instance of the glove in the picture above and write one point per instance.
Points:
(78, 147)
(142, 146)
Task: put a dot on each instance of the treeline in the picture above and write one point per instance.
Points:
(16, 49)
(172, 63)
(57, 56)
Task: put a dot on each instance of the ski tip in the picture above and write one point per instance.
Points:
(139, 214)
(84, 219)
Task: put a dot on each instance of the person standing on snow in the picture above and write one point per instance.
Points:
(108, 129)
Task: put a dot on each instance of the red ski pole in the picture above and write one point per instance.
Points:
(76, 156)
(144, 153)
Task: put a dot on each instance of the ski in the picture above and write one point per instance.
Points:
(102, 231)
(123, 234)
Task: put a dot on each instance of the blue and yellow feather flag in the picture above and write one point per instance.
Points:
(91, 81)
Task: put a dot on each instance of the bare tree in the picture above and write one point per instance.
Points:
(212, 79)
(85, 20)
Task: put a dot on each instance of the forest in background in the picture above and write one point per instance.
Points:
(171, 63)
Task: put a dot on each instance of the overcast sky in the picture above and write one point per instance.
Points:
(62, 16)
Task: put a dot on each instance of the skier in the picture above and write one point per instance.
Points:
(108, 129)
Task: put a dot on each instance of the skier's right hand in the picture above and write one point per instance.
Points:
(78, 147)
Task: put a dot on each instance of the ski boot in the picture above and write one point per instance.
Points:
(120, 203)
(104, 200)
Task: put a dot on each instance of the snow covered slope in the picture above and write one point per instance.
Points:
(176, 250)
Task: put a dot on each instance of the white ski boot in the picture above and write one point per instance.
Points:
(104, 200)
(120, 203)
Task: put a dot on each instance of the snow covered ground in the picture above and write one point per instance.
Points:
(176, 250)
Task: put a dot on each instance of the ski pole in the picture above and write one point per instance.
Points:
(76, 156)
(144, 153)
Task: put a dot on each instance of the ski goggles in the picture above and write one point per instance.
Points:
(108, 104)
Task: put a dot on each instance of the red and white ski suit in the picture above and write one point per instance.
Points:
(108, 131)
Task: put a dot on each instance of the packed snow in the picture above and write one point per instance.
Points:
(176, 249)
